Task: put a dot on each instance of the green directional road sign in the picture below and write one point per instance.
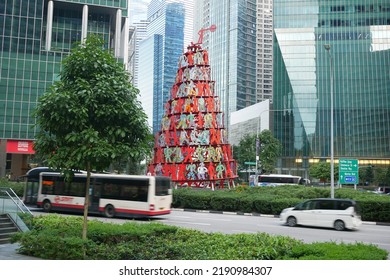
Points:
(349, 171)
(250, 163)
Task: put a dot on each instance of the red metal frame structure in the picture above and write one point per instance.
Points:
(192, 146)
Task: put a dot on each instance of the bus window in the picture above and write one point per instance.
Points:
(163, 186)
(48, 186)
(77, 187)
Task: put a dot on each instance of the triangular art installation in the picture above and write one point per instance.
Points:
(192, 146)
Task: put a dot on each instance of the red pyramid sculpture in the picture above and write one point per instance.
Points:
(192, 146)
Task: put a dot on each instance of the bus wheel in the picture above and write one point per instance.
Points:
(46, 206)
(109, 211)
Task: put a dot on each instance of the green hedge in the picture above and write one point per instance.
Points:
(58, 237)
(272, 200)
(17, 187)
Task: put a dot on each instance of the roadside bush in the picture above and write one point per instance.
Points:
(223, 201)
(155, 241)
(272, 200)
(17, 187)
(333, 251)
(188, 198)
(245, 204)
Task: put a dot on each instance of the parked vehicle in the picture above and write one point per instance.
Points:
(382, 190)
(339, 214)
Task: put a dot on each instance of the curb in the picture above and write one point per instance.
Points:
(224, 212)
(257, 215)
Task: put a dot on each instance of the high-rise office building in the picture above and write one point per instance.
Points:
(188, 22)
(163, 46)
(35, 36)
(332, 51)
(138, 33)
(233, 49)
(150, 78)
(264, 50)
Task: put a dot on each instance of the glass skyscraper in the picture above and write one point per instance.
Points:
(232, 49)
(35, 35)
(166, 19)
(358, 35)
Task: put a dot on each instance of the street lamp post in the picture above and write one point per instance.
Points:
(327, 48)
(258, 149)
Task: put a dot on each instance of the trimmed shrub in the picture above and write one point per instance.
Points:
(17, 187)
(155, 241)
(333, 251)
(223, 201)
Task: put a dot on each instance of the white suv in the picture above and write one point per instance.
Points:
(323, 212)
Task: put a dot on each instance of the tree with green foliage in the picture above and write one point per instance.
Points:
(386, 180)
(270, 150)
(321, 170)
(366, 175)
(91, 117)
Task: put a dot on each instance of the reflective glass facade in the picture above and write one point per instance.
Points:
(35, 35)
(167, 20)
(150, 77)
(358, 34)
(232, 50)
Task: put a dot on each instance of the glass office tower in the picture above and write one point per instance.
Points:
(232, 50)
(166, 19)
(357, 33)
(35, 35)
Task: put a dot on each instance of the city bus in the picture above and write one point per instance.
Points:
(109, 194)
(278, 180)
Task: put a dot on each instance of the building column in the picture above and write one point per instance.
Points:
(84, 24)
(118, 31)
(3, 157)
(49, 25)
(125, 43)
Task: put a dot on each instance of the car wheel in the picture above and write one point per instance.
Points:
(46, 206)
(339, 225)
(109, 211)
(291, 221)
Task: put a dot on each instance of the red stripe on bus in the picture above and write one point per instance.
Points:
(64, 205)
(140, 212)
(118, 210)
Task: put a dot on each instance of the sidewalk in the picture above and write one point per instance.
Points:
(9, 252)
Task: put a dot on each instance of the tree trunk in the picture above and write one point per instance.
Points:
(86, 203)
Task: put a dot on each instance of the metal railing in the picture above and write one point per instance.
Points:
(12, 205)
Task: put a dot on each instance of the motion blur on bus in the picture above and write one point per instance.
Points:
(110, 194)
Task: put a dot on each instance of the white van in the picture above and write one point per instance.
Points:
(339, 214)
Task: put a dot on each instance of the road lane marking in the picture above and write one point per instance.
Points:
(188, 223)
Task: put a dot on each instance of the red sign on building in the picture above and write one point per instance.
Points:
(20, 147)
